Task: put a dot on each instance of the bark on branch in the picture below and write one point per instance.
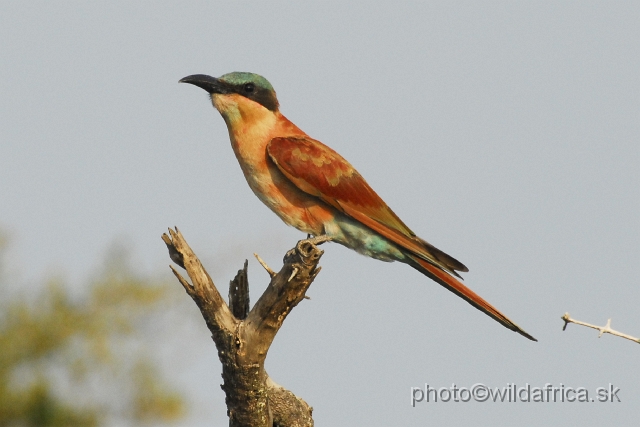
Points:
(243, 337)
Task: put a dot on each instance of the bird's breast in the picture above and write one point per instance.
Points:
(292, 205)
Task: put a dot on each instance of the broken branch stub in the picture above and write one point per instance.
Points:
(239, 293)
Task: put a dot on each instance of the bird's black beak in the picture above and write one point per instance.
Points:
(208, 83)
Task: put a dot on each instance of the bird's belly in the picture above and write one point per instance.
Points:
(295, 207)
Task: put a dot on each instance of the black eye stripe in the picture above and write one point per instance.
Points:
(266, 98)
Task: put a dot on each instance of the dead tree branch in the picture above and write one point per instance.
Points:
(606, 329)
(243, 336)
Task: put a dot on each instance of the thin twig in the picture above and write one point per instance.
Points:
(264, 265)
(606, 329)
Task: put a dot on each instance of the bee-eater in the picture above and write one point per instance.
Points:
(314, 189)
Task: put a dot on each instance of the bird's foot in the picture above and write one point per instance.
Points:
(318, 240)
(307, 248)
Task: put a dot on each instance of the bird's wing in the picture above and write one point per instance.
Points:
(318, 170)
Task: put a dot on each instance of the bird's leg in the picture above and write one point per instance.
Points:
(318, 240)
(306, 245)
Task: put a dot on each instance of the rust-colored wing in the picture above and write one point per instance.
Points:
(318, 170)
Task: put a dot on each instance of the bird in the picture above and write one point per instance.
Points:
(314, 189)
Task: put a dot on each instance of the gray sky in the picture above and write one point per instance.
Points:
(505, 133)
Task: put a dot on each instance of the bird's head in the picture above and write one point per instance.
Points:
(238, 96)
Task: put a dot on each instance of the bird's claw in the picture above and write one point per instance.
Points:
(318, 240)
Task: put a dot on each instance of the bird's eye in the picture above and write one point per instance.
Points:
(249, 87)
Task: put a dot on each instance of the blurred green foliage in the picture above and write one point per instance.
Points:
(69, 360)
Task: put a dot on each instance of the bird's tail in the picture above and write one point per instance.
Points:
(455, 286)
